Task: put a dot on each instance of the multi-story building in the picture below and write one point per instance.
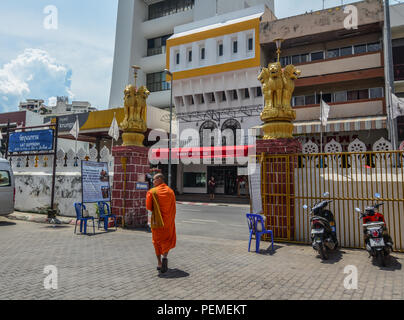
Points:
(343, 66)
(397, 30)
(215, 63)
(143, 27)
(62, 107)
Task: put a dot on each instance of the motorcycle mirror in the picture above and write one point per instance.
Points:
(305, 206)
(358, 210)
(326, 194)
(377, 195)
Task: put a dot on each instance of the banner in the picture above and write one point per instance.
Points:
(95, 182)
(325, 111)
(255, 190)
(33, 141)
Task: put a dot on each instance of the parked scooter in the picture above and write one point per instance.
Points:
(378, 242)
(323, 230)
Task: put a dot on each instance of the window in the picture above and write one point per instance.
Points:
(285, 61)
(299, 101)
(156, 45)
(347, 51)
(211, 97)
(190, 56)
(168, 7)
(235, 95)
(224, 96)
(246, 93)
(317, 56)
(220, 49)
(250, 44)
(358, 94)
(334, 53)
(374, 47)
(310, 99)
(327, 97)
(202, 53)
(5, 180)
(361, 48)
(296, 59)
(202, 99)
(375, 93)
(177, 58)
(304, 57)
(194, 180)
(235, 46)
(156, 82)
(259, 92)
(340, 96)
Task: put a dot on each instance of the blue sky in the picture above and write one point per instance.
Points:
(76, 59)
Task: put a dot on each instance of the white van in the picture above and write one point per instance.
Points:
(7, 188)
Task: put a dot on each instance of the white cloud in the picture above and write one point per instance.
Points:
(33, 74)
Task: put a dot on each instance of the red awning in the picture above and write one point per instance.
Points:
(202, 152)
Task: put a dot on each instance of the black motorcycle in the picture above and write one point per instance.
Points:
(323, 230)
(377, 240)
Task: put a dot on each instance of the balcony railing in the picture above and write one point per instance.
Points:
(398, 72)
(155, 51)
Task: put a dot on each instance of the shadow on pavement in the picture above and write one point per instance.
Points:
(269, 251)
(56, 226)
(174, 274)
(333, 256)
(392, 264)
(7, 223)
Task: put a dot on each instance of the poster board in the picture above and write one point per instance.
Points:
(254, 183)
(95, 182)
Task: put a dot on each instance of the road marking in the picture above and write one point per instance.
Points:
(237, 225)
(211, 221)
(193, 222)
(191, 210)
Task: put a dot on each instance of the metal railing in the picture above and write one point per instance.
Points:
(352, 179)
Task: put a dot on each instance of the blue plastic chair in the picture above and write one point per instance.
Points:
(83, 220)
(254, 220)
(105, 216)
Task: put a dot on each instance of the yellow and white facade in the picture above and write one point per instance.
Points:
(215, 63)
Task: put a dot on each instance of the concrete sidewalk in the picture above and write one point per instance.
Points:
(122, 265)
(38, 218)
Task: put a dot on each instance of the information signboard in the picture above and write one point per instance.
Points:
(255, 189)
(95, 182)
(31, 141)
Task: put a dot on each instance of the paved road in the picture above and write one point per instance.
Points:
(222, 222)
(121, 265)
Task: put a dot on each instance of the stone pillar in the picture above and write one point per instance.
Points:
(279, 185)
(130, 201)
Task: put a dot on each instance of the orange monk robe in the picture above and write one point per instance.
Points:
(165, 238)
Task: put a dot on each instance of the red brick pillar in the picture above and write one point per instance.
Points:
(279, 185)
(133, 200)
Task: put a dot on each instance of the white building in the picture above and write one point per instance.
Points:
(143, 27)
(215, 63)
(61, 107)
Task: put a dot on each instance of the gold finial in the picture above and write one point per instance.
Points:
(278, 43)
(135, 70)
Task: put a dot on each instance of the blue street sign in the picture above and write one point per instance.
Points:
(34, 141)
(142, 186)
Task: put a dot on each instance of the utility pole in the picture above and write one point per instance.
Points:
(389, 75)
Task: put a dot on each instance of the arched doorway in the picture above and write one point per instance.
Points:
(230, 129)
(209, 126)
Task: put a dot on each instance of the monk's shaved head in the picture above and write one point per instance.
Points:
(158, 179)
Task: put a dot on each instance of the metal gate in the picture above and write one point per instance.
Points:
(352, 179)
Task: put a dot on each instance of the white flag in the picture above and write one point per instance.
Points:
(325, 111)
(76, 129)
(1, 135)
(397, 105)
(114, 130)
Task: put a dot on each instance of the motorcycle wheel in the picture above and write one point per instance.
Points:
(323, 252)
(380, 259)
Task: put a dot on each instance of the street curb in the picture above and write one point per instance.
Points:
(213, 204)
(38, 218)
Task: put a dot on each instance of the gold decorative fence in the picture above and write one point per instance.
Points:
(352, 179)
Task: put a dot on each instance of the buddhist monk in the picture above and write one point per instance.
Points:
(161, 201)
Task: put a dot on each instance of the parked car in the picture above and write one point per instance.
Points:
(7, 188)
